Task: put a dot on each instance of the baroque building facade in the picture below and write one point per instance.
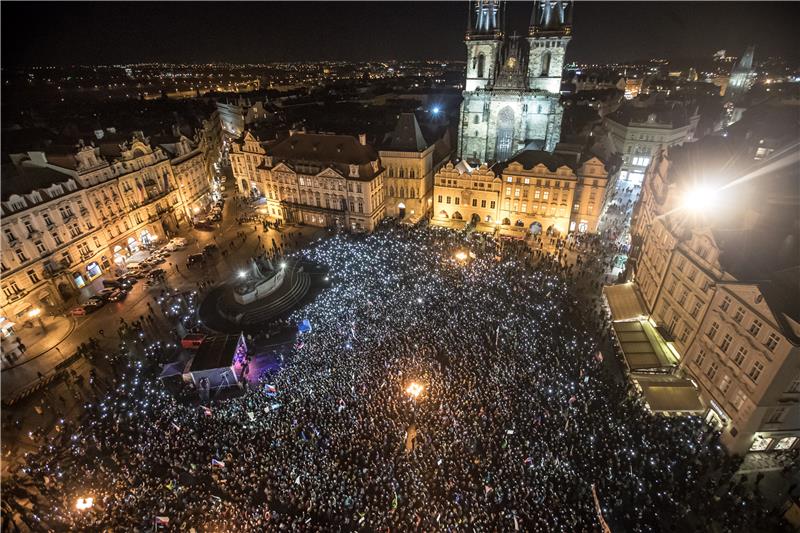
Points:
(72, 215)
(324, 180)
(512, 89)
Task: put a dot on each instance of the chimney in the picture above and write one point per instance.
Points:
(362, 138)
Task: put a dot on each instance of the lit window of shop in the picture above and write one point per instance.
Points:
(93, 270)
(79, 281)
(785, 443)
(760, 444)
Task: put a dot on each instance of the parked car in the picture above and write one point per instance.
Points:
(209, 249)
(78, 311)
(180, 241)
(112, 283)
(195, 258)
(105, 293)
(118, 295)
(156, 273)
(96, 301)
(129, 280)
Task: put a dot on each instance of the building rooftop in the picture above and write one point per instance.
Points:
(215, 352)
(407, 135)
(337, 151)
(25, 179)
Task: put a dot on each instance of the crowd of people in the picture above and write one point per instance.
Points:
(446, 385)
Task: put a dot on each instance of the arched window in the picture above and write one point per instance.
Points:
(412, 174)
(402, 173)
(481, 65)
(476, 119)
(391, 172)
(402, 192)
(545, 64)
(391, 191)
(504, 145)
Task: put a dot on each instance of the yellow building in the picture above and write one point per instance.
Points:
(411, 162)
(536, 191)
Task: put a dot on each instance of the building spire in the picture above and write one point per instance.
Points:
(551, 16)
(487, 20)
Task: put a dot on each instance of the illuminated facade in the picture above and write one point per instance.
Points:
(637, 133)
(324, 180)
(720, 281)
(72, 215)
(512, 90)
(410, 162)
(536, 192)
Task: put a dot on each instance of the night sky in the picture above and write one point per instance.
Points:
(36, 33)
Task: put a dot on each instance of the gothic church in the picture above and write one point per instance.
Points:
(511, 96)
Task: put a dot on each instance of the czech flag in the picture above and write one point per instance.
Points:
(162, 521)
(219, 464)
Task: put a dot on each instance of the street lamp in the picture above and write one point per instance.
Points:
(414, 389)
(37, 314)
(242, 274)
(699, 198)
(84, 503)
(461, 255)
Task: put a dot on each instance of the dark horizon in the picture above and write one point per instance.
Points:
(106, 33)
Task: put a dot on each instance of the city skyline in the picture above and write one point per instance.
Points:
(215, 32)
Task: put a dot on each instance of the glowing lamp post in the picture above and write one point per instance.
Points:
(414, 390)
(699, 198)
(84, 503)
(37, 314)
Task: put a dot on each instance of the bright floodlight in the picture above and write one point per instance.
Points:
(242, 274)
(283, 265)
(699, 198)
(435, 110)
(414, 389)
(461, 256)
(84, 503)
(33, 313)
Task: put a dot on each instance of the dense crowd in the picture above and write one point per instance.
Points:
(518, 425)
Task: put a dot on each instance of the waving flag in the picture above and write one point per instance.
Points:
(219, 464)
(162, 521)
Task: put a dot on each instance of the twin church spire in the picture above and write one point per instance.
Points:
(512, 88)
(486, 18)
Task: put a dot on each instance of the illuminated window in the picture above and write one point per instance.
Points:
(760, 444)
(785, 443)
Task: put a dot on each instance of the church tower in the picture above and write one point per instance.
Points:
(483, 41)
(513, 85)
(549, 33)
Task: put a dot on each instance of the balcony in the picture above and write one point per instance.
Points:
(84, 212)
(34, 233)
(12, 240)
(67, 217)
(50, 225)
